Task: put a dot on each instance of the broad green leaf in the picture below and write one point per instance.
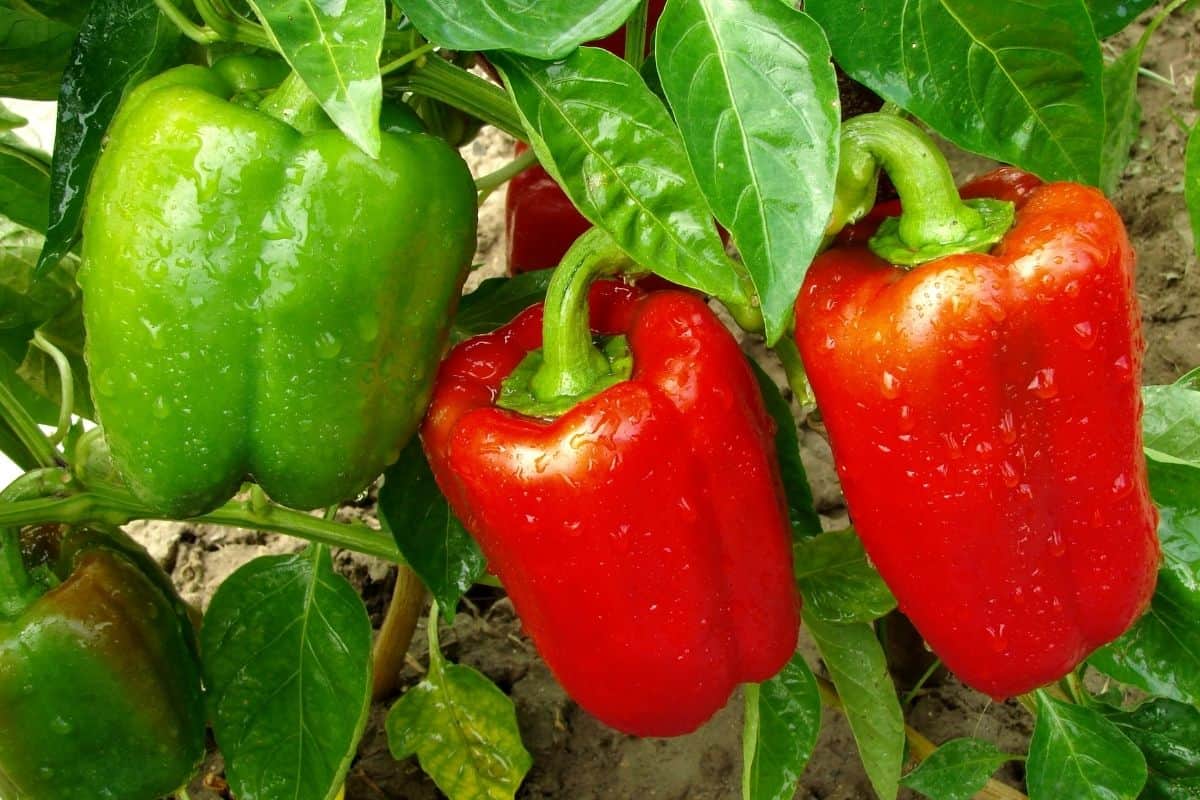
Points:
(462, 729)
(609, 142)
(783, 718)
(1168, 734)
(334, 48)
(1075, 752)
(429, 536)
(121, 43)
(34, 50)
(857, 665)
(24, 185)
(1111, 16)
(287, 663)
(548, 29)
(24, 299)
(837, 581)
(956, 770)
(1024, 88)
(1123, 115)
(496, 301)
(1161, 652)
(1191, 183)
(1171, 421)
(756, 99)
(801, 511)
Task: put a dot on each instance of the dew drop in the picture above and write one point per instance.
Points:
(161, 408)
(1086, 333)
(61, 726)
(1124, 368)
(998, 641)
(1121, 486)
(1010, 474)
(907, 420)
(328, 345)
(1043, 384)
(1008, 427)
(1058, 547)
(890, 385)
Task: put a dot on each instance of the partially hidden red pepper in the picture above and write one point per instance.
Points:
(540, 222)
(642, 534)
(983, 410)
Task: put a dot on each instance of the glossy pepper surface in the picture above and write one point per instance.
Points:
(100, 692)
(262, 298)
(984, 415)
(642, 534)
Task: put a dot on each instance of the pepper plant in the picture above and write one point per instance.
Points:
(226, 295)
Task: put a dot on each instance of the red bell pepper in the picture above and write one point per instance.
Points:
(540, 222)
(642, 533)
(983, 409)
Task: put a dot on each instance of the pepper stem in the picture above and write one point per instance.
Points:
(294, 103)
(935, 221)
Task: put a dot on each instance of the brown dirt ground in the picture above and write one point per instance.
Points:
(577, 758)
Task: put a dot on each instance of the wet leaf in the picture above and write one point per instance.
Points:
(1171, 421)
(756, 99)
(287, 663)
(1075, 752)
(1168, 734)
(1021, 88)
(801, 511)
(334, 48)
(462, 729)
(1112, 16)
(610, 144)
(837, 581)
(956, 770)
(783, 718)
(548, 29)
(430, 537)
(857, 665)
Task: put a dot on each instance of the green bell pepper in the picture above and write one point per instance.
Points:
(261, 298)
(100, 679)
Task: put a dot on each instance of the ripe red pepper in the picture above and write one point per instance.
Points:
(983, 410)
(540, 222)
(642, 534)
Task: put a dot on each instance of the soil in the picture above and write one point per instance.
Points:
(576, 757)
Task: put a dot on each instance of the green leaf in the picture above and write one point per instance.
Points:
(548, 29)
(121, 43)
(461, 728)
(801, 511)
(783, 718)
(1168, 734)
(1171, 421)
(609, 142)
(1191, 183)
(1077, 753)
(956, 770)
(496, 301)
(1161, 652)
(287, 663)
(756, 99)
(430, 537)
(1111, 16)
(24, 299)
(334, 48)
(837, 581)
(24, 185)
(1024, 88)
(1123, 114)
(857, 665)
(34, 50)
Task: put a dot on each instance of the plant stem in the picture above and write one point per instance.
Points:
(191, 30)
(793, 368)
(232, 27)
(489, 183)
(89, 507)
(908, 698)
(395, 635)
(26, 428)
(571, 363)
(67, 385)
(407, 58)
(454, 86)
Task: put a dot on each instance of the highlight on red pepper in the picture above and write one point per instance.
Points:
(611, 454)
(979, 379)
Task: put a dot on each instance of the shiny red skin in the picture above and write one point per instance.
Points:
(984, 414)
(540, 222)
(642, 535)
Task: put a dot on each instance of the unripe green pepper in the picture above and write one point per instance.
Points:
(100, 689)
(261, 298)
